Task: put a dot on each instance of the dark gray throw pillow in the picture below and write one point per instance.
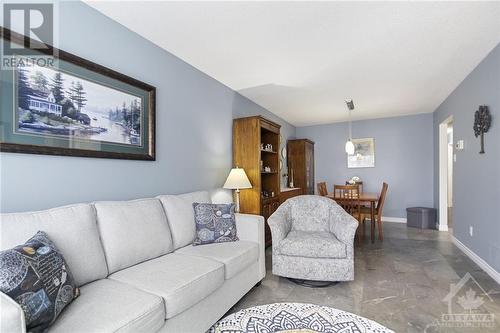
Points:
(37, 277)
(215, 223)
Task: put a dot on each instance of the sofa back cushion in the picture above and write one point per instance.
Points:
(132, 231)
(221, 196)
(180, 215)
(310, 212)
(72, 229)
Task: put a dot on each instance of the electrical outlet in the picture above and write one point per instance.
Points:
(471, 230)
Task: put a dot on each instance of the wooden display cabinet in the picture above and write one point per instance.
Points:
(248, 135)
(300, 158)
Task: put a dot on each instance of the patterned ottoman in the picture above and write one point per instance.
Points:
(295, 318)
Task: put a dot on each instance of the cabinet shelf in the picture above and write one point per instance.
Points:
(266, 200)
(268, 151)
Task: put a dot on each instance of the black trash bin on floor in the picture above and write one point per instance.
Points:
(421, 217)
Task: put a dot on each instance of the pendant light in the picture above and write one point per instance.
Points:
(349, 146)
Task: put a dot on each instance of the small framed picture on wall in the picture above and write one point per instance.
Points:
(364, 154)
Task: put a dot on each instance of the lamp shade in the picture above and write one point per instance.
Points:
(237, 179)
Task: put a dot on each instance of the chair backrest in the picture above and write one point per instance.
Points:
(360, 184)
(347, 196)
(309, 212)
(322, 190)
(346, 191)
(381, 200)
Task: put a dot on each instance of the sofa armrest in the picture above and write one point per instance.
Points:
(11, 316)
(343, 226)
(251, 228)
(280, 225)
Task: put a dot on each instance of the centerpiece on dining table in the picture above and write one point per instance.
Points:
(354, 180)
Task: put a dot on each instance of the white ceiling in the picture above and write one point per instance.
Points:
(301, 60)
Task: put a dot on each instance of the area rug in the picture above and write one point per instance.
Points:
(295, 318)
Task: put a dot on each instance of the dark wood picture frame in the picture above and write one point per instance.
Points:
(149, 109)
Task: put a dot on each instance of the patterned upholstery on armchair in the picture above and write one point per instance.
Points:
(313, 239)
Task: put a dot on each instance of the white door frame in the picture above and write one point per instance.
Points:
(443, 174)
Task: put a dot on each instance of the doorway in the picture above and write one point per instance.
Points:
(446, 159)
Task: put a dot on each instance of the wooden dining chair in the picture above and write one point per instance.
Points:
(360, 184)
(366, 213)
(322, 189)
(347, 196)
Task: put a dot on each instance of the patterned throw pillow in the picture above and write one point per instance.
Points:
(215, 223)
(36, 276)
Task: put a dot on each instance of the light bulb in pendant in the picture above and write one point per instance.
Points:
(349, 147)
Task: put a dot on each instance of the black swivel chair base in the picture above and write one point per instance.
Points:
(312, 283)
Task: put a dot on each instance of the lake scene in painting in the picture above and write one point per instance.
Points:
(54, 103)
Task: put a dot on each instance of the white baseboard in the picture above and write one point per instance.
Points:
(392, 219)
(442, 227)
(477, 259)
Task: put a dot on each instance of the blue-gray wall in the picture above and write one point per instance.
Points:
(194, 123)
(403, 158)
(476, 177)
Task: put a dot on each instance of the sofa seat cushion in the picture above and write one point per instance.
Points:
(180, 279)
(111, 306)
(236, 256)
(312, 244)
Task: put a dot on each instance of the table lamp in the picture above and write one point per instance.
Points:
(237, 180)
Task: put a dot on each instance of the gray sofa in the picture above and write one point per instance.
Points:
(136, 267)
(313, 239)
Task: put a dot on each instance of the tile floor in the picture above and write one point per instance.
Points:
(400, 283)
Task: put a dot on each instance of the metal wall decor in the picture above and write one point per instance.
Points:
(482, 123)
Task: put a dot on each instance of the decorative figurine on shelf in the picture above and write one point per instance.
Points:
(269, 147)
(261, 146)
(267, 169)
(482, 123)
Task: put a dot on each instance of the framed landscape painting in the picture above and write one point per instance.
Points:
(74, 107)
(364, 154)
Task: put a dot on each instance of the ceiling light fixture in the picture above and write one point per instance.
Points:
(349, 146)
